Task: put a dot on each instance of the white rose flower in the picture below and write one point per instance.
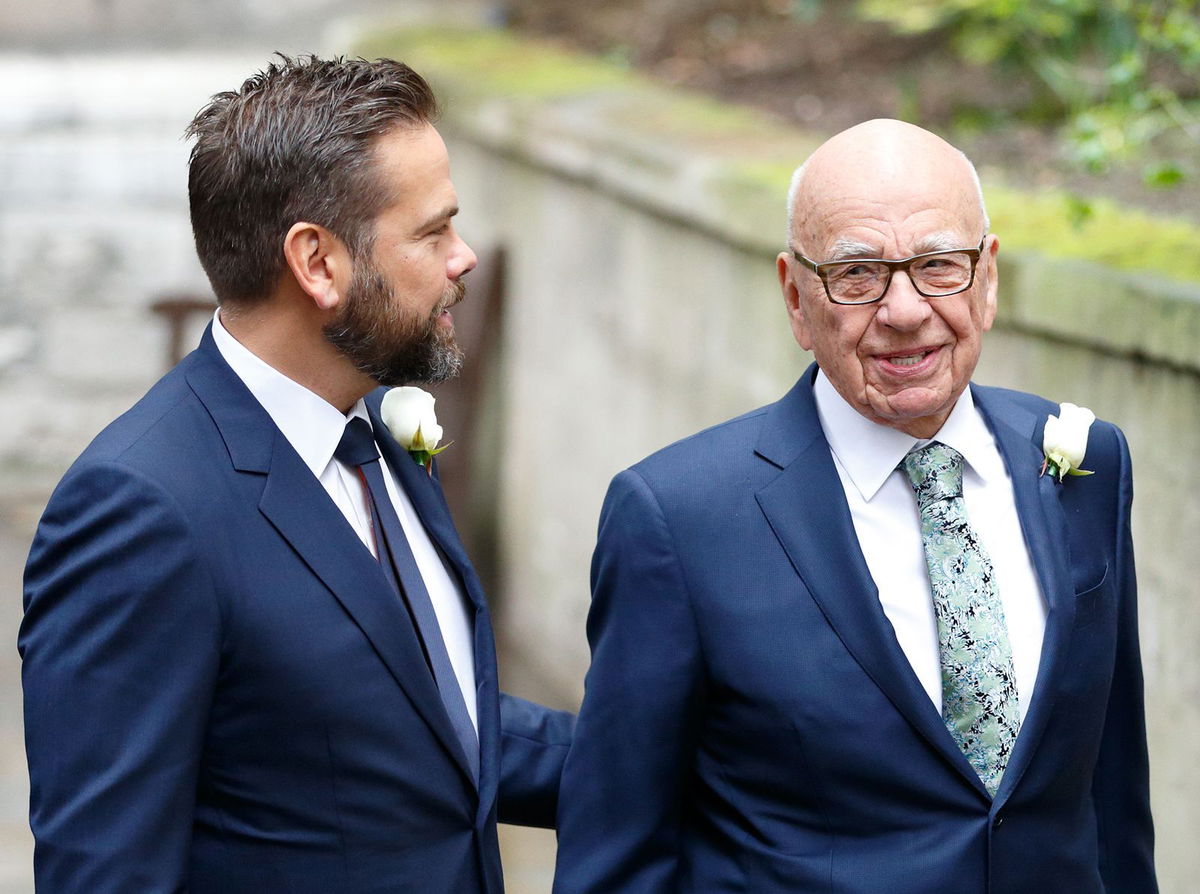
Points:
(408, 414)
(1065, 440)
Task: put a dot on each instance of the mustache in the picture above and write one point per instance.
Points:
(455, 293)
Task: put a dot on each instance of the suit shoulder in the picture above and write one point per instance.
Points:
(155, 433)
(711, 446)
(1031, 403)
(1106, 441)
(696, 473)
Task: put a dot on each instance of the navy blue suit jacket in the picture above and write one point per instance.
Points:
(222, 692)
(751, 723)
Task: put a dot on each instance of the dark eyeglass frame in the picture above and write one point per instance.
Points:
(821, 269)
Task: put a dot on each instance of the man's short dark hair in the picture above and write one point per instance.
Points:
(294, 142)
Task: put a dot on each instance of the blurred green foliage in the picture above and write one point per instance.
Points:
(1123, 76)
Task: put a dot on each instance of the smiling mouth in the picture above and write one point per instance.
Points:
(909, 359)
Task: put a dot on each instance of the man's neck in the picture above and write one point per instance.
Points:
(298, 349)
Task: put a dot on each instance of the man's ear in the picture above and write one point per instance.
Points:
(988, 262)
(319, 263)
(791, 299)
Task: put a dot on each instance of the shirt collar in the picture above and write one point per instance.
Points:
(869, 452)
(311, 424)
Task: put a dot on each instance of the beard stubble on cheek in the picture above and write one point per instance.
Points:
(390, 345)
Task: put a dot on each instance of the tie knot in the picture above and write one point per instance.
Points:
(357, 445)
(935, 472)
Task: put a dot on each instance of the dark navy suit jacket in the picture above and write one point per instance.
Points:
(751, 723)
(222, 692)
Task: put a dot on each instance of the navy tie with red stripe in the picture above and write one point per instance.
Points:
(357, 449)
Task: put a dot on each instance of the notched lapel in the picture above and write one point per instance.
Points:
(294, 502)
(430, 505)
(806, 508)
(426, 497)
(1018, 435)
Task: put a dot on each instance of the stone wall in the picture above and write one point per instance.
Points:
(93, 214)
(95, 222)
(643, 305)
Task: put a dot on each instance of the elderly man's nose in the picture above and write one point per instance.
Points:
(902, 306)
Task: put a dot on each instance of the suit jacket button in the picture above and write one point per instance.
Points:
(999, 821)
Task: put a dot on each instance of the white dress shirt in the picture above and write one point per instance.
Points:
(313, 427)
(888, 524)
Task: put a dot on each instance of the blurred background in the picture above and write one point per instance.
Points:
(622, 168)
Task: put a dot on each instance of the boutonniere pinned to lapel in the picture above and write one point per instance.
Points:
(1065, 441)
(408, 414)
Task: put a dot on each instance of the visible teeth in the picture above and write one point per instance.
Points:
(910, 360)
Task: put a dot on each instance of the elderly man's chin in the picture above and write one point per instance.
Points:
(916, 410)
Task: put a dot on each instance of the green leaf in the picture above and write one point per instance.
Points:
(1123, 73)
(1164, 176)
(1079, 210)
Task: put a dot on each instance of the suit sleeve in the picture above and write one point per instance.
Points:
(625, 784)
(1121, 785)
(533, 745)
(119, 648)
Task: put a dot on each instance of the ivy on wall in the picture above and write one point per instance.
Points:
(1121, 75)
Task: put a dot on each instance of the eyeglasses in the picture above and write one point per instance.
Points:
(934, 274)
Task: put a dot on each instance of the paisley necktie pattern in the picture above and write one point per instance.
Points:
(979, 689)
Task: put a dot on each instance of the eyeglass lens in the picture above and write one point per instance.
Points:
(860, 281)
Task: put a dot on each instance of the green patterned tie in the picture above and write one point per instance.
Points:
(979, 687)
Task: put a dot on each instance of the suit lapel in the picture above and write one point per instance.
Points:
(427, 499)
(1044, 526)
(294, 502)
(807, 510)
(430, 504)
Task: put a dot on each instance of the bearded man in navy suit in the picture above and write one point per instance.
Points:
(863, 639)
(256, 656)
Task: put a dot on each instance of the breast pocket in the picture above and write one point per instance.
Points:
(1090, 602)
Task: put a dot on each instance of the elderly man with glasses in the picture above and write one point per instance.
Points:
(868, 638)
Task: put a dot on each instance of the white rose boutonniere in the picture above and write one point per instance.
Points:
(1065, 441)
(408, 414)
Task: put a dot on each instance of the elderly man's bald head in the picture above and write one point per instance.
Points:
(882, 144)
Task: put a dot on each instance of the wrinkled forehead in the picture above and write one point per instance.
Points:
(889, 197)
